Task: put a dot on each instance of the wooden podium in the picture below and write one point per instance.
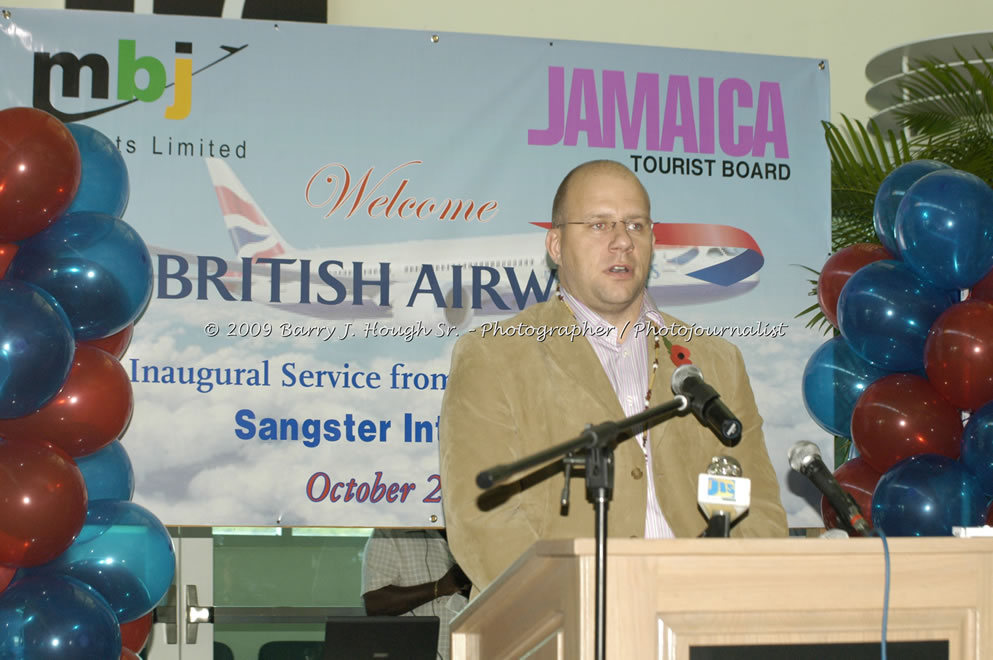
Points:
(664, 597)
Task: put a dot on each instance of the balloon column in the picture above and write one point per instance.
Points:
(914, 356)
(81, 565)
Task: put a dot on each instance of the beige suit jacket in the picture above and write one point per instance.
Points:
(510, 397)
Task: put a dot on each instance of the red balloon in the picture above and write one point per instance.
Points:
(134, 634)
(902, 415)
(90, 411)
(7, 252)
(958, 354)
(5, 576)
(989, 514)
(859, 479)
(838, 268)
(42, 502)
(128, 654)
(116, 344)
(40, 168)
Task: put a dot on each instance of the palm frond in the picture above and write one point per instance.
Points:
(861, 157)
(818, 319)
(948, 107)
(940, 98)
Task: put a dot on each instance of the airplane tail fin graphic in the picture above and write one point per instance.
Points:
(251, 232)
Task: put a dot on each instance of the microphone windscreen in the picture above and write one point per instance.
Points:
(802, 453)
(725, 466)
(681, 374)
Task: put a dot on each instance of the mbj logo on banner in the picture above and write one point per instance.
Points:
(129, 64)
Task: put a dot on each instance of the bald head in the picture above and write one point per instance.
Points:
(600, 261)
(585, 172)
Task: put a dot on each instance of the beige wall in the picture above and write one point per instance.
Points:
(847, 33)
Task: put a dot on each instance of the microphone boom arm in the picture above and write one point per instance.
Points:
(593, 436)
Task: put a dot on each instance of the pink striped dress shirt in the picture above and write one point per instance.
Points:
(628, 366)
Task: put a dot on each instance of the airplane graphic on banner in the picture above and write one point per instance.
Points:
(445, 280)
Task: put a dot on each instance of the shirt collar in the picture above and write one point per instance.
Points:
(584, 314)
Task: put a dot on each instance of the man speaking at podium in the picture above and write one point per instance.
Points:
(511, 396)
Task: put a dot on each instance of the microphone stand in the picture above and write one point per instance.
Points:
(597, 440)
(718, 526)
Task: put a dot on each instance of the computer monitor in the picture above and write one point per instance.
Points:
(381, 638)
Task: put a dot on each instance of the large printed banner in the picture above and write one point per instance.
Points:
(329, 209)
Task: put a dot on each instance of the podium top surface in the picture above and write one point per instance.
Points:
(754, 546)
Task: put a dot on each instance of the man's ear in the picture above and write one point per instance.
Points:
(553, 244)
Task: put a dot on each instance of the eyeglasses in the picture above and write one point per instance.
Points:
(606, 227)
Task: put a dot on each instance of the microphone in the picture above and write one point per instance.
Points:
(706, 404)
(723, 495)
(805, 458)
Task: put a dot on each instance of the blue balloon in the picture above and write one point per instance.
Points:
(833, 381)
(103, 183)
(108, 473)
(977, 446)
(927, 495)
(56, 618)
(890, 194)
(124, 552)
(95, 265)
(36, 348)
(885, 311)
(944, 228)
